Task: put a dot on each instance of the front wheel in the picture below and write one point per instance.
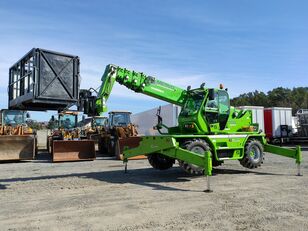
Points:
(198, 146)
(253, 156)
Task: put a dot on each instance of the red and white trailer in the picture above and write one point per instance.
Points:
(277, 123)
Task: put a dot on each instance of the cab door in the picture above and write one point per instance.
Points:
(224, 108)
(217, 109)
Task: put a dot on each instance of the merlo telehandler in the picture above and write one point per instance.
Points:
(209, 130)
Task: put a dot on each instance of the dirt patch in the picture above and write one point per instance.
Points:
(97, 195)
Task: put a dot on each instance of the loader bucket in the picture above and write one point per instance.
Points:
(129, 142)
(17, 147)
(73, 150)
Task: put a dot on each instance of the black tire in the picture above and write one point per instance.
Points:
(198, 146)
(159, 161)
(253, 156)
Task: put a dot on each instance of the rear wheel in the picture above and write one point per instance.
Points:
(198, 146)
(253, 156)
(159, 161)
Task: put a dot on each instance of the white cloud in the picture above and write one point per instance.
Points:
(237, 83)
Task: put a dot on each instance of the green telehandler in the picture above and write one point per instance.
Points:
(209, 130)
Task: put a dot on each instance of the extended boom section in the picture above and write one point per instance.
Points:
(137, 82)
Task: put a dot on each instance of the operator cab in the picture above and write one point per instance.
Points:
(13, 117)
(68, 120)
(217, 108)
(206, 108)
(193, 103)
(99, 121)
(119, 118)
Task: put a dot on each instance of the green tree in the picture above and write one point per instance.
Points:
(295, 98)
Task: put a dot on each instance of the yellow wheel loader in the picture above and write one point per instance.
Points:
(65, 143)
(17, 140)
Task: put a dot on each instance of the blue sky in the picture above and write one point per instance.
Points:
(246, 45)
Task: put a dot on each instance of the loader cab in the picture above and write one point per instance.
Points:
(67, 120)
(99, 121)
(13, 117)
(119, 119)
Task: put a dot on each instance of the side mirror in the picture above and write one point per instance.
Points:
(83, 117)
(52, 118)
(28, 115)
(211, 94)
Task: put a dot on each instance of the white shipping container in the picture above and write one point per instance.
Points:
(257, 114)
(279, 116)
(146, 120)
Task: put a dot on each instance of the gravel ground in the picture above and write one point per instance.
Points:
(97, 195)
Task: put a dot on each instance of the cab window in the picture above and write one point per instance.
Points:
(224, 103)
(212, 104)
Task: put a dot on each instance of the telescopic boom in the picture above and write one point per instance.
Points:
(137, 82)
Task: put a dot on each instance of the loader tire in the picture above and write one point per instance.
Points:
(159, 161)
(253, 156)
(198, 146)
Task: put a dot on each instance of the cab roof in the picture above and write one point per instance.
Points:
(114, 112)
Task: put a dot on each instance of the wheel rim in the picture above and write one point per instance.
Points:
(255, 153)
(198, 150)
